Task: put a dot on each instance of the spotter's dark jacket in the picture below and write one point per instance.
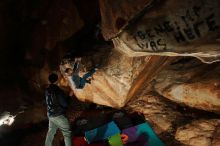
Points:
(56, 101)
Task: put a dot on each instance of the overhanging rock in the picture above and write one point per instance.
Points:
(120, 79)
(117, 14)
(175, 28)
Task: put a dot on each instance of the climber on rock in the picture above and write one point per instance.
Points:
(73, 75)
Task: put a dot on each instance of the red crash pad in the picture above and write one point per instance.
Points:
(80, 141)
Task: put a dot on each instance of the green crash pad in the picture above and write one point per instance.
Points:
(115, 140)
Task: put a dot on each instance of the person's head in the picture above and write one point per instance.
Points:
(53, 78)
(69, 71)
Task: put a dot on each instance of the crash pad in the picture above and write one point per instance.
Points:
(131, 132)
(80, 141)
(102, 133)
(115, 140)
(142, 134)
(153, 139)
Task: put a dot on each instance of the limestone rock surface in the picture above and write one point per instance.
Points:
(116, 14)
(175, 28)
(159, 113)
(120, 78)
(191, 83)
(199, 133)
(110, 84)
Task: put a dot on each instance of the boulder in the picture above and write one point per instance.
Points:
(199, 133)
(159, 113)
(112, 82)
(191, 83)
(175, 28)
(216, 137)
(116, 14)
(119, 79)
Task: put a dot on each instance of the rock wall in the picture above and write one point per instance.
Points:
(112, 82)
(117, 14)
(120, 79)
(199, 133)
(156, 111)
(174, 28)
(191, 83)
(128, 69)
